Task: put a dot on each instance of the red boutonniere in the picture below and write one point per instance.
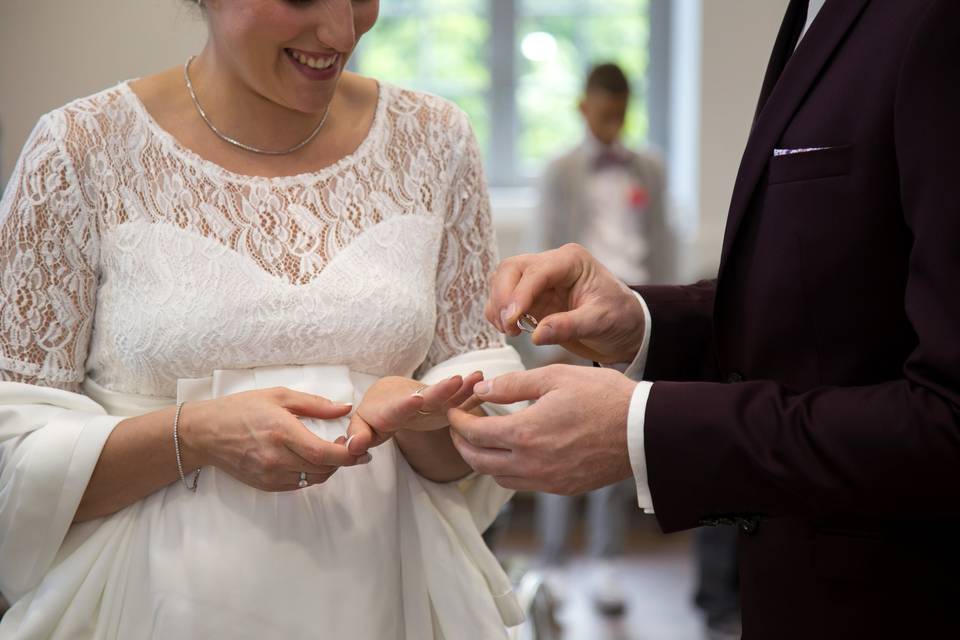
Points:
(638, 198)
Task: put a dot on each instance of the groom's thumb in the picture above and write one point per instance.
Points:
(565, 327)
(512, 387)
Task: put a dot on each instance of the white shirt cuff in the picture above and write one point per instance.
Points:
(635, 448)
(638, 411)
(634, 370)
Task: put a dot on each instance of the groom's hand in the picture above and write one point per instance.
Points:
(580, 304)
(572, 439)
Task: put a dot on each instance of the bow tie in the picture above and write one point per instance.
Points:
(610, 158)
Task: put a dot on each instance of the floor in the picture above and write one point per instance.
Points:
(657, 573)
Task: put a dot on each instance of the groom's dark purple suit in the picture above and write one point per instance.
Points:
(812, 392)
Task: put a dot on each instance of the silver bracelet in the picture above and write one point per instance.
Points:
(176, 448)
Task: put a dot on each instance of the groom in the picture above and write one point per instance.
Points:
(810, 394)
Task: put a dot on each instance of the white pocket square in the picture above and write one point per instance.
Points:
(790, 152)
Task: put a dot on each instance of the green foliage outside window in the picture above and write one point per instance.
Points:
(442, 46)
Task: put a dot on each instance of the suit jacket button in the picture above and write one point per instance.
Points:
(736, 376)
(749, 525)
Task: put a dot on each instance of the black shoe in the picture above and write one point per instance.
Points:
(724, 627)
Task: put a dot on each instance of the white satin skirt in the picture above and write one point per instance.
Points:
(375, 552)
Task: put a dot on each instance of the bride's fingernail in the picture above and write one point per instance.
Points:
(482, 388)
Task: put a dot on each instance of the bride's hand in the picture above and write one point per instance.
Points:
(394, 403)
(257, 438)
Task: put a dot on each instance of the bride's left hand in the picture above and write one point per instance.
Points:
(394, 403)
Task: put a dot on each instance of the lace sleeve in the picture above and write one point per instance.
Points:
(48, 253)
(468, 254)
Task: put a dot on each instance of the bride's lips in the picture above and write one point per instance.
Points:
(315, 66)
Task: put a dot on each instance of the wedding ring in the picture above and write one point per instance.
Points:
(303, 480)
(419, 392)
(527, 323)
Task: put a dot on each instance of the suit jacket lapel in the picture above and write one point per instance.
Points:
(782, 94)
(782, 50)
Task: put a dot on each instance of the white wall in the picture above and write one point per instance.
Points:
(52, 51)
(737, 37)
(56, 50)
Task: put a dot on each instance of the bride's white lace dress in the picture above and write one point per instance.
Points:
(133, 272)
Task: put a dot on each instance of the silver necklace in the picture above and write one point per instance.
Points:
(237, 143)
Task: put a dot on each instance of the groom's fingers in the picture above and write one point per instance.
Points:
(569, 326)
(514, 387)
(482, 460)
(488, 432)
(502, 284)
(556, 269)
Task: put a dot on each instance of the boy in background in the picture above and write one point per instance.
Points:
(612, 201)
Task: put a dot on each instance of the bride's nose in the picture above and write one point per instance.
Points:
(335, 25)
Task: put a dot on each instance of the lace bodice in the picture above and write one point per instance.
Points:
(127, 258)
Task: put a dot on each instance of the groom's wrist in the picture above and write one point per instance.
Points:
(638, 358)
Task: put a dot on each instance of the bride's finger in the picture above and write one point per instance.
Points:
(465, 390)
(315, 450)
(361, 436)
(309, 405)
(470, 403)
(286, 481)
(437, 395)
(285, 462)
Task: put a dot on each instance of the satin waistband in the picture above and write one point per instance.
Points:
(334, 382)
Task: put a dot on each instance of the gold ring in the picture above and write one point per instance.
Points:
(527, 323)
(419, 392)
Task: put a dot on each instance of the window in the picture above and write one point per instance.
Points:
(515, 66)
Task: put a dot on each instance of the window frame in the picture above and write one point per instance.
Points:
(502, 156)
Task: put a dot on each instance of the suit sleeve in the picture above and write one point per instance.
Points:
(681, 340)
(882, 450)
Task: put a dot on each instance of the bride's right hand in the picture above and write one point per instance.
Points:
(257, 438)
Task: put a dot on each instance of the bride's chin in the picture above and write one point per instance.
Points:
(313, 105)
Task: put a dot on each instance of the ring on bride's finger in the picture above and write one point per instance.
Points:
(527, 323)
(419, 392)
(303, 480)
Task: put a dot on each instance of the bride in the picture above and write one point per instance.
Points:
(238, 298)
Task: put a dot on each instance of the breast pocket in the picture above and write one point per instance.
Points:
(828, 162)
